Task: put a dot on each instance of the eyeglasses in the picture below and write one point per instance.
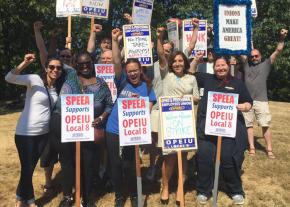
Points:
(65, 56)
(254, 56)
(52, 67)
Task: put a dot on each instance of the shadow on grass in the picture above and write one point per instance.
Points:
(258, 145)
(46, 198)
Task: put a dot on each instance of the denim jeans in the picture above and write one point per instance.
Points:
(29, 150)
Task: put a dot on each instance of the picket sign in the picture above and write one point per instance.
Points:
(173, 34)
(254, 10)
(137, 43)
(178, 131)
(232, 28)
(85, 8)
(201, 43)
(142, 11)
(107, 73)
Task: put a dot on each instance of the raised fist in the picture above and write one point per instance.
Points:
(283, 33)
(116, 33)
(195, 22)
(160, 31)
(37, 25)
(29, 58)
(97, 28)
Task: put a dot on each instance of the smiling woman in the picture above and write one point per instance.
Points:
(131, 83)
(232, 155)
(33, 125)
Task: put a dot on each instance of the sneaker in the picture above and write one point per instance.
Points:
(67, 201)
(134, 201)
(238, 199)
(201, 199)
(150, 175)
(90, 204)
(119, 201)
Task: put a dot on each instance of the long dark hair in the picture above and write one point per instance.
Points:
(226, 80)
(171, 61)
(143, 77)
(59, 82)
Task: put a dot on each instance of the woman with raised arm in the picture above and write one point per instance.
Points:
(130, 82)
(176, 82)
(232, 153)
(33, 125)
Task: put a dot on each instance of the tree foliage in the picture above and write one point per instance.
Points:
(17, 37)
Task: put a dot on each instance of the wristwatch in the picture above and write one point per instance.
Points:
(101, 117)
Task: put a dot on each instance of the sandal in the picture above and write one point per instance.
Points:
(270, 154)
(252, 151)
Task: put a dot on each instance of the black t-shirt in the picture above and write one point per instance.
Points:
(211, 83)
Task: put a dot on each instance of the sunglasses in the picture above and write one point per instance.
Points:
(65, 56)
(84, 64)
(52, 67)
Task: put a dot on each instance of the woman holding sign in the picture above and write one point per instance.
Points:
(102, 108)
(176, 82)
(33, 125)
(232, 149)
(130, 83)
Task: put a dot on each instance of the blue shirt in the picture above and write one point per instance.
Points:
(128, 91)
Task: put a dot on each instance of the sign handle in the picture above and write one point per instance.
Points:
(180, 178)
(78, 174)
(92, 22)
(69, 32)
(138, 176)
(217, 170)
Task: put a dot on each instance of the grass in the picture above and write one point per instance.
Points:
(266, 182)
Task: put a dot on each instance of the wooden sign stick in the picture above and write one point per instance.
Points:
(217, 170)
(138, 176)
(180, 178)
(92, 23)
(69, 32)
(78, 174)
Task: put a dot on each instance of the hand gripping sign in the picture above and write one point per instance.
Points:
(232, 28)
(177, 123)
(137, 43)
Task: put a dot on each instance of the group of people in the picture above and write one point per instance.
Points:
(38, 132)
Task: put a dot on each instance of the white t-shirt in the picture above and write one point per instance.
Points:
(34, 119)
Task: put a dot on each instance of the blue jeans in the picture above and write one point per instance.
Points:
(29, 150)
